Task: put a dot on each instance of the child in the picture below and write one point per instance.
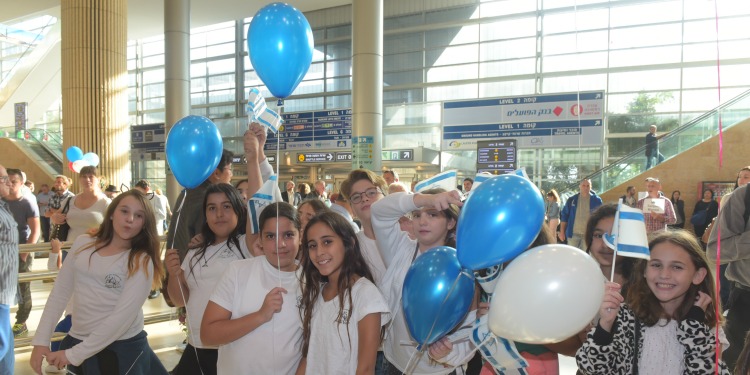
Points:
(108, 275)
(435, 214)
(253, 310)
(192, 282)
(666, 325)
(342, 310)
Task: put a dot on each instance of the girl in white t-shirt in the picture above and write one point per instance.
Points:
(434, 216)
(342, 310)
(108, 276)
(253, 315)
(192, 280)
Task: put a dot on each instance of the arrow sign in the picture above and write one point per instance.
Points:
(329, 157)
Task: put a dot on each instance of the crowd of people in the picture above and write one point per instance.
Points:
(317, 287)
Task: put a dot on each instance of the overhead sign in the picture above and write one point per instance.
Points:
(331, 129)
(549, 120)
(497, 156)
(315, 157)
(147, 142)
(19, 113)
(398, 155)
(362, 148)
(344, 156)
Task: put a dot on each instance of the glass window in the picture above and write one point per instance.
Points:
(221, 66)
(401, 43)
(452, 73)
(507, 68)
(639, 14)
(402, 61)
(399, 22)
(644, 36)
(403, 96)
(574, 83)
(506, 88)
(644, 56)
(339, 68)
(507, 29)
(451, 14)
(452, 92)
(153, 76)
(451, 36)
(580, 42)
(575, 21)
(403, 78)
(644, 80)
(339, 101)
(507, 7)
(337, 84)
(451, 55)
(581, 61)
(221, 82)
(507, 49)
(340, 50)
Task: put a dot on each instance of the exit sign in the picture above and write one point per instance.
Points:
(398, 155)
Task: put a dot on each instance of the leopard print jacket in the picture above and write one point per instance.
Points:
(607, 354)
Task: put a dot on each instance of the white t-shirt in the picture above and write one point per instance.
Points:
(202, 279)
(274, 347)
(81, 220)
(107, 304)
(372, 255)
(334, 345)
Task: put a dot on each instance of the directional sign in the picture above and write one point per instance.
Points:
(536, 121)
(315, 157)
(398, 155)
(344, 156)
(497, 156)
(329, 129)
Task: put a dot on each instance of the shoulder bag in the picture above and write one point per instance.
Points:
(60, 231)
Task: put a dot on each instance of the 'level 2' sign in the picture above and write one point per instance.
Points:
(398, 155)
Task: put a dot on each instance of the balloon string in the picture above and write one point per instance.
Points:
(721, 162)
(179, 213)
(414, 360)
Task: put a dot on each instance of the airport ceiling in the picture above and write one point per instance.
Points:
(146, 17)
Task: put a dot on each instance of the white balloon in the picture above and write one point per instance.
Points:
(546, 295)
(79, 164)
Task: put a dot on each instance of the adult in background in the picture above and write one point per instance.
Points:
(679, 210)
(653, 156)
(42, 200)
(290, 196)
(8, 275)
(304, 191)
(629, 199)
(468, 183)
(111, 191)
(26, 215)
(390, 176)
(553, 212)
(86, 209)
(158, 202)
(342, 207)
(575, 215)
(711, 208)
(61, 194)
(657, 210)
(320, 192)
(732, 222)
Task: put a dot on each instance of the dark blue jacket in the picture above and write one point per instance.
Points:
(568, 214)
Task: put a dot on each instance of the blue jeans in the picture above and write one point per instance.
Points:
(64, 327)
(8, 360)
(654, 160)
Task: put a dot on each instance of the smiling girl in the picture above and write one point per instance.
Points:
(109, 276)
(342, 310)
(192, 281)
(665, 325)
(253, 310)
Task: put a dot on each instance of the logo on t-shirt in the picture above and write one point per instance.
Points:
(113, 281)
(344, 319)
(299, 302)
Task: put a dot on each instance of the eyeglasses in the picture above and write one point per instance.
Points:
(4, 179)
(370, 193)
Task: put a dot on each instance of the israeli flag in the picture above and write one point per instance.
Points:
(258, 111)
(628, 236)
(446, 180)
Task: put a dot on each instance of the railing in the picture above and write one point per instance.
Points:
(157, 317)
(9, 50)
(674, 143)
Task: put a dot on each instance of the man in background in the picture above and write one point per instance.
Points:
(575, 215)
(8, 275)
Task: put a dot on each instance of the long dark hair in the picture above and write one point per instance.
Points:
(623, 266)
(144, 246)
(209, 237)
(353, 266)
(646, 306)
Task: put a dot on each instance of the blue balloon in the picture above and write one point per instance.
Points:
(280, 45)
(194, 148)
(501, 218)
(74, 153)
(436, 295)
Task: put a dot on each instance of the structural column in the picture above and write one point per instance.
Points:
(176, 72)
(94, 83)
(367, 83)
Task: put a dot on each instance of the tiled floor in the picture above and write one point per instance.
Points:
(161, 336)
